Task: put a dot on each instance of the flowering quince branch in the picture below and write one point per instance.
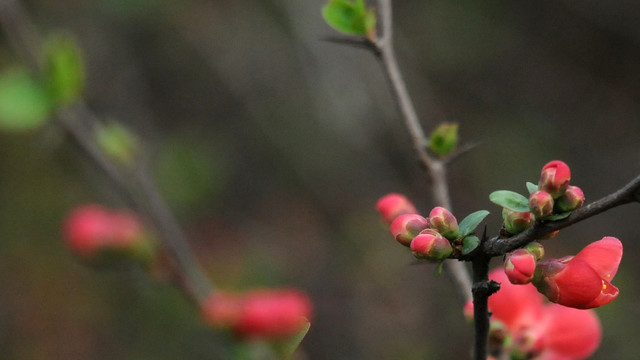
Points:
(499, 246)
(580, 281)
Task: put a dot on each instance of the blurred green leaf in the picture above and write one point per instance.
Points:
(510, 200)
(469, 223)
(63, 69)
(24, 103)
(438, 271)
(117, 142)
(469, 244)
(444, 139)
(349, 17)
(531, 187)
(285, 349)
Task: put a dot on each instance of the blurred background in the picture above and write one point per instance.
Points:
(273, 145)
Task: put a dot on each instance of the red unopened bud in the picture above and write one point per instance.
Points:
(97, 235)
(443, 221)
(541, 204)
(405, 227)
(222, 310)
(520, 266)
(516, 222)
(536, 249)
(581, 281)
(554, 178)
(393, 205)
(572, 199)
(431, 245)
(273, 314)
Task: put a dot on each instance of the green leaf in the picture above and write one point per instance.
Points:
(469, 244)
(286, 348)
(117, 142)
(532, 187)
(510, 200)
(559, 216)
(444, 139)
(469, 223)
(347, 17)
(63, 69)
(24, 103)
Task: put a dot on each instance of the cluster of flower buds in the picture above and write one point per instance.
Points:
(258, 314)
(581, 281)
(99, 236)
(554, 194)
(429, 238)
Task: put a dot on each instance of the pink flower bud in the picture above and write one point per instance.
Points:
(541, 204)
(273, 314)
(581, 281)
(443, 221)
(520, 266)
(554, 178)
(536, 249)
(516, 222)
(265, 314)
(392, 205)
(96, 234)
(405, 227)
(572, 199)
(429, 244)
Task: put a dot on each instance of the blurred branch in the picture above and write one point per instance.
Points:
(437, 169)
(134, 183)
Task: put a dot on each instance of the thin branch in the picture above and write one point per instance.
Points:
(437, 170)
(499, 246)
(134, 184)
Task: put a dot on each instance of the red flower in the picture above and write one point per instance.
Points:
(91, 229)
(393, 205)
(266, 314)
(540, 331)
(582, 281)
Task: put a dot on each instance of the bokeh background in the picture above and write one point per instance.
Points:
(273, 145)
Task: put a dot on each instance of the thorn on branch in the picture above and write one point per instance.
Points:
(485, 288)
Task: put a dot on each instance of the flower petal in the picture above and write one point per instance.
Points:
(603, 256)
(608, 293)
(570, 333)
(514, 305)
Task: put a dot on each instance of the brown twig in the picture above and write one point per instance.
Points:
(437, 169)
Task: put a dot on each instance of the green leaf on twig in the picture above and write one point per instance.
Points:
(469, 244)
(559, 216)
(444, 139)
(510, 200)
(24, 102)
(471, 222)
(117, 142)
(350, 17)
(63, 69)
(532, 187)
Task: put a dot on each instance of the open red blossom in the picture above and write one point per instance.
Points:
(582, 281)
(542, 331)
(393, 205)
